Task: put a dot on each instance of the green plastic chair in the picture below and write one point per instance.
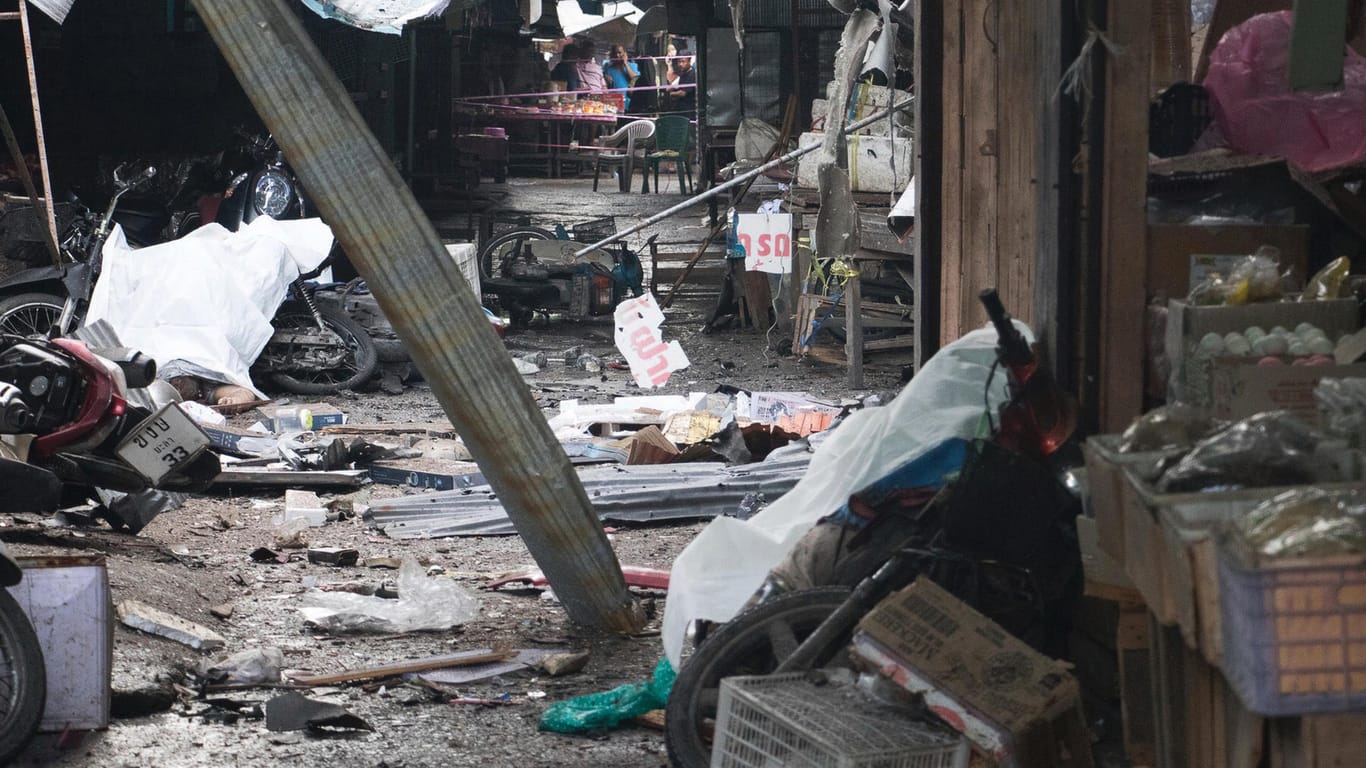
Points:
(673, 134)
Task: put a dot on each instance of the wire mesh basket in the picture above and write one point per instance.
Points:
(595, 230)
(792, 722)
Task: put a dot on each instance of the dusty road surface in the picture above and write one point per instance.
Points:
(198, 558)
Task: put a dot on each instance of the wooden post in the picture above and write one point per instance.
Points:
(1123, 270)
(38, 126)
(853, 329)
(421, 291)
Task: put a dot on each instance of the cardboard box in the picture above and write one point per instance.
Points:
(1170, 247)
(975, 676)
(1192, 378)
(1241, 388)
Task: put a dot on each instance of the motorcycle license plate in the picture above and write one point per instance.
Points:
(163, 443)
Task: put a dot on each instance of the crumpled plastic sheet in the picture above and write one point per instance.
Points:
(609, 709)
(1342, 405)
(250, 667)
(1308, 522)
(714, 576)
(424, 603)
(1249, 88)
(1261, 451)
(1177, 425)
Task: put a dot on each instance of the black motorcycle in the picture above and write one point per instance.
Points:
(316, 348)
(23, 674)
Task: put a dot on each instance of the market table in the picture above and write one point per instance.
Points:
(559, 126)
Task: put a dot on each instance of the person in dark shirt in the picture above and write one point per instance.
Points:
(567, 70)
(684, 99)
(645, 99)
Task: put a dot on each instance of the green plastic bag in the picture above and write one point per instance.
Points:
(610, 709)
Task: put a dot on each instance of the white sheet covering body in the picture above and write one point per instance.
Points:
(714, 576)
(208, 297)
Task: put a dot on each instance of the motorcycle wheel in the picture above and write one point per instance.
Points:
(359, 367)
(505, 246)
(30, 314)
(23, 679)
(753, 643)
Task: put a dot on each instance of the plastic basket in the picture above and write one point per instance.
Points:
(595, 230)
(788, 721)
(1294, 637)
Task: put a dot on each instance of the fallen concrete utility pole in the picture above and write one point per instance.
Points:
(420, 289)
(737, 181)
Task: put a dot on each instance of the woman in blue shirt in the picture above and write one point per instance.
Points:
(620, 74)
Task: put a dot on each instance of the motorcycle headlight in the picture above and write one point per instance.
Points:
(273, 194)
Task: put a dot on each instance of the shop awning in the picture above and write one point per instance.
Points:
(387, 16)
(617, 20)
(53, 9)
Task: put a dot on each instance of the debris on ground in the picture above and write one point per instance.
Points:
(424, 603)
(610, 709)
(294, 711)
(250, 667)
(560, 664)
(337, 556)
(141, 616)
(450, 661)
(636, 576)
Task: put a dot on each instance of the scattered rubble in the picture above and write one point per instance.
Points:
(141, 616)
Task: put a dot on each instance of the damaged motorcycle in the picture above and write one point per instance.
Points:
(532, 271)
(1001, 536)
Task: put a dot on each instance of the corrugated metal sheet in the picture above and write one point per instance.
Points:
(53, 9)
(626, 494)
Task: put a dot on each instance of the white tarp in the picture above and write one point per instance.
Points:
(207, 298)
(729, 559)
(53, 9)
(573, 21)
(387, 16)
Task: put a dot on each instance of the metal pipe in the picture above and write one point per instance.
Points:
(737, 181)
(421, 290)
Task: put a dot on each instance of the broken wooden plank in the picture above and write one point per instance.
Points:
(428, 428)
(406, 667)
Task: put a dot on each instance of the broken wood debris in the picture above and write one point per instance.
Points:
(406, 667)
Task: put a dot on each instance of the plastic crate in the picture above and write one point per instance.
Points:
(789, 721)
(1294, 635)
(593, 231)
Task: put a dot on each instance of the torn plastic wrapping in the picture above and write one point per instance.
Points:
(1177, 425)
(1256, 278)
(424, 603)
(1261, 451)
(1256, 110)
(1342, 406)
(718, 572)
(250, 667)
(609, 709)
(1308, 522)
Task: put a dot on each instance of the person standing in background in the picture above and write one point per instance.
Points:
(590, 73)
(645, 99)
(567, 71)
(621, 73)
(684, 97)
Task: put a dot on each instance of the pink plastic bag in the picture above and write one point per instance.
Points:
(1249, 86)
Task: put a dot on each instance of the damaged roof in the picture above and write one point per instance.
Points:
(387, 16)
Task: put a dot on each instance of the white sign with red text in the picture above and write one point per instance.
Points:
(767, 240)
(639, 340)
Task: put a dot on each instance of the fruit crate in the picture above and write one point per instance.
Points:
(788, 720)
(1294, 632)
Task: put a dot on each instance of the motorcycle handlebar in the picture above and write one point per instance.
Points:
(1014, 348)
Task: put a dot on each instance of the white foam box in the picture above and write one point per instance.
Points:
(67, 599)
(870, 163)
(872, 96)
(466, 255)
(820, 109)
(1193, 376)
